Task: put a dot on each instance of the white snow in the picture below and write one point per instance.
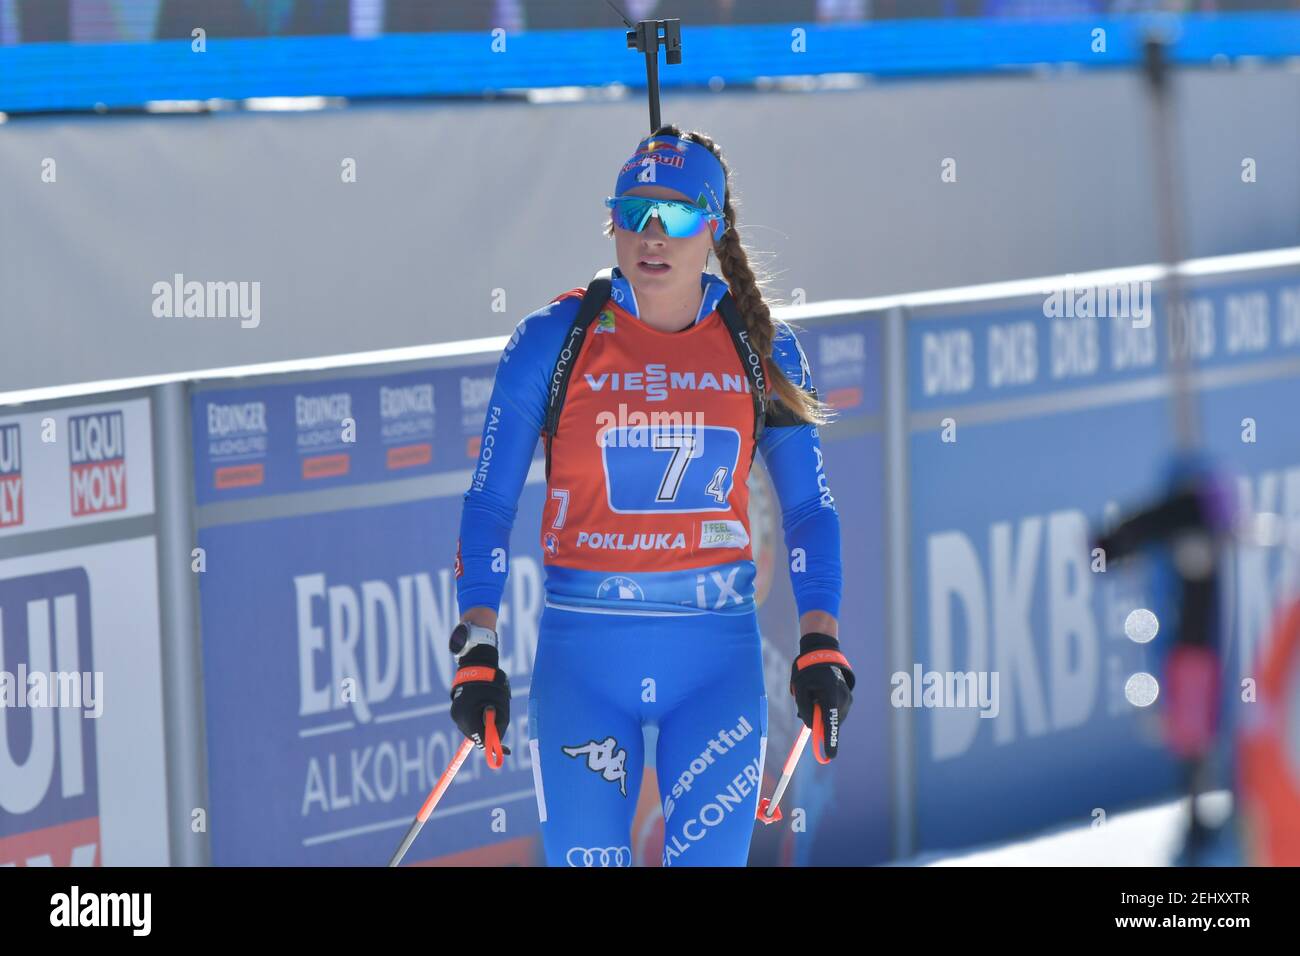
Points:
(1146, 837)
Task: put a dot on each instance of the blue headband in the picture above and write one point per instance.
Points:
(679, 164)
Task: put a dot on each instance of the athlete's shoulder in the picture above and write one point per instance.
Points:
(540, 333)
(789, 355)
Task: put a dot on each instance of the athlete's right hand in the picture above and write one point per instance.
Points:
(480, 684)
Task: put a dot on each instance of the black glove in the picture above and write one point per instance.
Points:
(480, 684)
(821, 675)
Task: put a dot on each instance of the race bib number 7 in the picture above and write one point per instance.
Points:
(660, 470)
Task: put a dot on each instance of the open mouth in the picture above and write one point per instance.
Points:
(653, 265)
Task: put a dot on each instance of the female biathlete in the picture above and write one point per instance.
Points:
(651, 400)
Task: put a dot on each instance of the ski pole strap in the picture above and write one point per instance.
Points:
(821, 657)
(467, 674)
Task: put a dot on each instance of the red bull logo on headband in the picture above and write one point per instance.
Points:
(658, 151)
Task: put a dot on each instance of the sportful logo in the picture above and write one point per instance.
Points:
(718, 746)
(11, 476)
(605, 758)
(97, 449)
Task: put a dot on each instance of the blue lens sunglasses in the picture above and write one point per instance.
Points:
(679, 219)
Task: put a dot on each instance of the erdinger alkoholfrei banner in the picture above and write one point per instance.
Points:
(326, 669)
(1032, 423)
(253, 442)
(81, 742)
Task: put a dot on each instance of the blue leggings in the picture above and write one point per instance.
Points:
(598, 678)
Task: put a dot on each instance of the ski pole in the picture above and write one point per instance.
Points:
(769, 810)
(493, 747)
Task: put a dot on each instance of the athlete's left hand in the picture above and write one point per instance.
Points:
(821, 675)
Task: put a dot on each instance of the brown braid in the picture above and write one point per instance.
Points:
(746, 290)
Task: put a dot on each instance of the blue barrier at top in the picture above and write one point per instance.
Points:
(61, 76)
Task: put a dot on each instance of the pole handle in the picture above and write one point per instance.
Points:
(492, 739)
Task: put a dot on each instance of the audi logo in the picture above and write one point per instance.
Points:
(600, 856)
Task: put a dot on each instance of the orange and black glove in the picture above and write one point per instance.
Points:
(822, 684)
(479, 684)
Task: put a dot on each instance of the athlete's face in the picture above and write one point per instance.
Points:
(684, 257)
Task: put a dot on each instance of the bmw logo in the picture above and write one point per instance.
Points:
(621, 587)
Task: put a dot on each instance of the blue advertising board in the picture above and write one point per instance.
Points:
(847, 811)
(327, 678)
(325, 625)
(1030, 429)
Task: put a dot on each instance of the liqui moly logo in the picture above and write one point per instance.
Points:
(11, 476)
(49, 781)
(97, 448)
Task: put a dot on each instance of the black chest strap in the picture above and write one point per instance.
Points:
(593, 301)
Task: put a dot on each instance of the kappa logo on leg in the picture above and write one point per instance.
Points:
(604, 757)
